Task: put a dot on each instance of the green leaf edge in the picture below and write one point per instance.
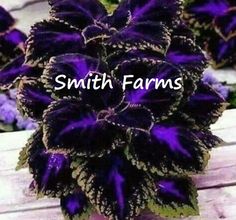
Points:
(84, 216)
(23, 157)
(179, 212)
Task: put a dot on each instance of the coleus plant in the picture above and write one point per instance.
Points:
(213, 21)
(113, 151)
(12, 47)
(11, 53)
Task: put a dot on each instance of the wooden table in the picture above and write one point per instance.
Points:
(217, 188)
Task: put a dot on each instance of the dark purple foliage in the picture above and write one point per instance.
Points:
(214, 21)
(12, 50)
(113, 150)
(6, 20)
(209, 78)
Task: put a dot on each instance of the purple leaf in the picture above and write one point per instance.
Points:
(145, 11)
(14, 39)
(169, 149)
(51, 38)
(113, 185)
(204, 11)
(162, 99)
(185, 54)
(226, 24)
(182, 30)
(108, 94)
(212, 105)
(221, 52)
(120, 57)
(96, 32)
(71, 125)
(13, 71)
(6, 20)
(32, 98)
(79, 13)
(208, 138)
(132, 117)
(175, 195)
(143, 36)
(51, 171)
(75, 204)
(72, 66)
(118, 19)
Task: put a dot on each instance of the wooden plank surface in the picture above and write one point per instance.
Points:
(19, 4)
(225, 127)
(34, 13)
(215, 204)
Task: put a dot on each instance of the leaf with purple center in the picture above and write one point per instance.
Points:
(12, 72)
(13, 40)
(168, 149)
(32, 98)
(204, 11)
(221, 88)
(213, 104)
(214, 22)
(96, 32)
(185, 55)
(150, 11)
(69, 123)
(75, 206)
(12, 48)
(158, 96)
(70, 66)
(80, 13)
(143, 35)
(222, 52)
(51, 34)
(173, 197)
(226, 24)
(109, 183)
(51, 171)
